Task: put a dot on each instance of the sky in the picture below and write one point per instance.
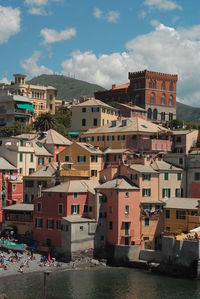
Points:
(100, 41)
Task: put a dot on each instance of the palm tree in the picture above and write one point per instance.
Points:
(44, 122)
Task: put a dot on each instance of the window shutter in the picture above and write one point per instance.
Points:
(78, 208)
(163, 193)
(78, 158)
(72, 209)
(47, 223)
(143, 192)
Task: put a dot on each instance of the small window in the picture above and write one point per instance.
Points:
(58, 224)
(126, 210)
(84, 109)
(167, 214)
(85, 209)
(75, 195)
(181, 161)
(166, 176)
(95, 122)
(83, 122)
(60, 195)
(179, 176)
(127, 194)
(39, 207)
(66, 158)
(14, 187)
(110, 225)
(21, 157)
(31, 158)
(90, 208)
(110, 209)
(81, 227)
(60, 209)
(146, 221)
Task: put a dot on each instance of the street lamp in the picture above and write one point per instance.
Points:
(46, 273)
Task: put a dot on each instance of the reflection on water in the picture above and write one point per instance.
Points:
(100, 283)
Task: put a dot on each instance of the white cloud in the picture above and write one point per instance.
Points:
(52, 36)
(36, 2)
(9, 22)
(5, 80)
(162, 4)
(165, 49)
(31, 67)
(38, 11)
(111, 16)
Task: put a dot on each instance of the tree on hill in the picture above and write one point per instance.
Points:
(44, 122)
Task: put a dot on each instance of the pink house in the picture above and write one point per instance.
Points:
(122, 206)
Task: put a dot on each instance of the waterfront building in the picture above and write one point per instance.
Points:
(153, 91)
(20, 217)
(41, 97)
(135, 133)
(92, 113)
(121, 201)
(43, 178)
(11, 186)
(80, 160)
(181, 214)
(71, 198)
(15, 108)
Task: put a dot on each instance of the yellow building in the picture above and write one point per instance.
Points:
(81, 160)
(181, 214)
(42, 97)
(92, 114)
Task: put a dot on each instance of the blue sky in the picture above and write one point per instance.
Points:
(100, 41)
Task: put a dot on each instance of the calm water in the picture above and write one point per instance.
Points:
(101, 283)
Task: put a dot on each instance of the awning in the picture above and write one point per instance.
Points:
(195, 230)
(27, 106)
(73, 133)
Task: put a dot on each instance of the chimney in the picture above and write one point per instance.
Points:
(113, 86)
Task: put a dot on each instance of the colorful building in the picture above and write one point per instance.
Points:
(184, 141)
(92, 113)
(122, 207)
(135, 133)
(129, 110)
(153, 91)
(81, 160)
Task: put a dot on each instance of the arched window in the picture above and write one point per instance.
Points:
(149, 113)
(162, 116)
(154, 84)
(170, 101)
(155, 114)
(150, 84)
(163, 85)
(171, 116)
(163, 100)
(171, 86)
(152, 98)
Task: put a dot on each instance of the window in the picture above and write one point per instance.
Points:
(31, 170)
(110, 225)
(95, 109)
(81, 159)
(171, 86)
(102, 238)
(75, 195)
(146, 177)
(163, 116)
(152, 98)
(93, 173)
(90, 208)
(57, 158)
(179, 192)
(146, 192)
(95, 122)
(38, 222)
(180, 214)
(110, 209)
(133, 176)
(179, 176)
(66, 158)
(94, 158)
(171, 116)
(58, 224)
(170, 101)
(126, 210)
(181, 161)
(167, 214)
(39, 207)
(50, 223)
(75, 209)
(60, 209)
(13, 187)
(166, 193)
(11, 172)
(163, 85)
(85, 209)
(149, 113)
(29, 184)
(197, 176)
(84, 109)
(111, 193)
(163, 100)
(21, 157)
(83, 122)
(155, 114)
(81, 227)
(127, 194)
(166, 176)
(134, 137)
(146, 221)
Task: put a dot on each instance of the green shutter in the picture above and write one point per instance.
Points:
(143, 192)
(163, 193)
(78, 209)
(72, 209)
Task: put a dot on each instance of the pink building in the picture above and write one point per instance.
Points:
(122, 207)
(72, 198)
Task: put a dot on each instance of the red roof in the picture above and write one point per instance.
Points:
(122, 86)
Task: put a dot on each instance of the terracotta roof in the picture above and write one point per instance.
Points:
(46, 171)
(133, 125)
(94, 102)
(74, 186)
(162, 165)
(53, 137)
(122, 86)
(41, 151)
(119, 184)
(134, 107)
(142, 168)
(5, 165)
(182, 203)
(90, 148)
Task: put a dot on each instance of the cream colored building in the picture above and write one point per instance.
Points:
(92, 114)
(42, 97)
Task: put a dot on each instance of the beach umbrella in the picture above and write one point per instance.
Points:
(195, 230)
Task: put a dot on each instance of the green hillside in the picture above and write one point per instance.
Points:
(187, 113)
(68, 88)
